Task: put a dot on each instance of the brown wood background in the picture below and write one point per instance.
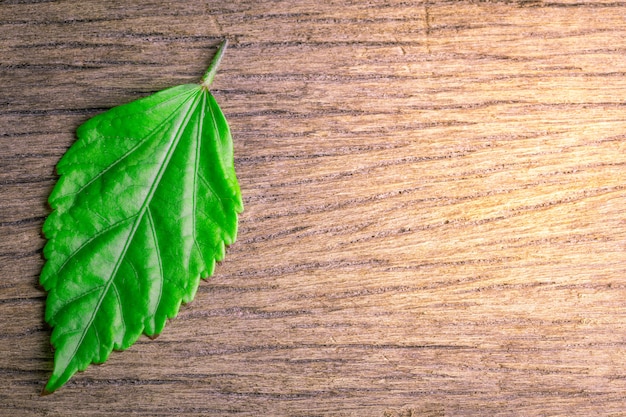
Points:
(435, 202)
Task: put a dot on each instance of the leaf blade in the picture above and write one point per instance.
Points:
(128, 202)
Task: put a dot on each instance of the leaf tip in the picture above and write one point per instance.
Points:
(47, 390)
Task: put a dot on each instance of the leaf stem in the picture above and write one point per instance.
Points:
(207, 78)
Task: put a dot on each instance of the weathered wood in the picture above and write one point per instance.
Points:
(434, 196)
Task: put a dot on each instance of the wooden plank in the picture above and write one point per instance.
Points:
(434, 199)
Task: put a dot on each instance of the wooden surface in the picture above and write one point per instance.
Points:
(435, 201)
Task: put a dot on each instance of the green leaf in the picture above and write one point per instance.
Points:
(146, 201)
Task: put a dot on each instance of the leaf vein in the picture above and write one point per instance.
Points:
(158, 256)
(212, 190)
(74, 299)
(90, 240)
(121, 309)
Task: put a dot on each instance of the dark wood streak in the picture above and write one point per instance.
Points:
(53, 112)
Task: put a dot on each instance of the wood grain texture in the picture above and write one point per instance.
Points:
(434, 198)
